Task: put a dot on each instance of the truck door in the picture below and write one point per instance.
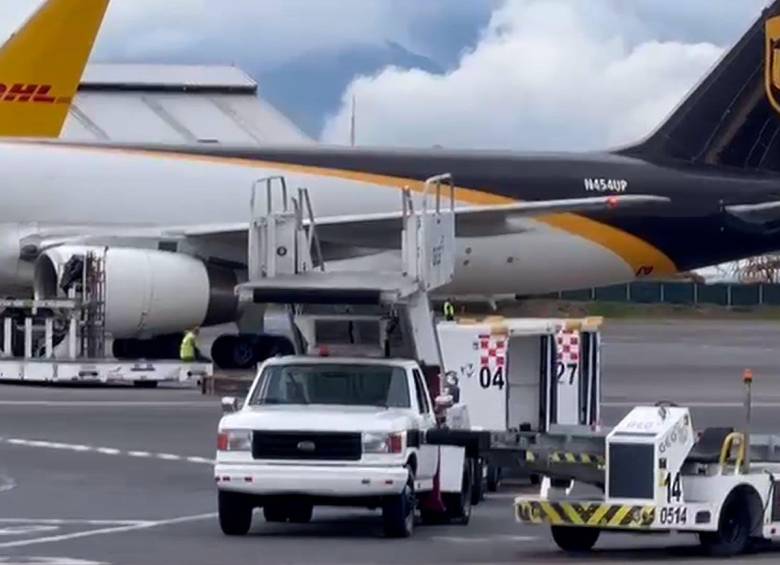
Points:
(590, 381)
(476, 357)
(428, 456)
(523, 373)
(568, 374)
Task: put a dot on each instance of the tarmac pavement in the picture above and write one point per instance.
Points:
(123, 476)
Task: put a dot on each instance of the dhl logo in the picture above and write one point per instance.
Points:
(36, 93)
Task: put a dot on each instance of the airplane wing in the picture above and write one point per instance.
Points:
(763, 213)
(364, 231)
(479, 221)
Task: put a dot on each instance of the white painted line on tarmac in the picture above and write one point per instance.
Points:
(25, 560)
(26, 529)
(73, 522)
(111, 403)
(693, 404)
(103, 451)
(110, 530)
(6, 483)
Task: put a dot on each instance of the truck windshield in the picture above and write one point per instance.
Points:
(349, 385)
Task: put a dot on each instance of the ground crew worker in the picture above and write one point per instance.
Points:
(188, 352)
(449, 311)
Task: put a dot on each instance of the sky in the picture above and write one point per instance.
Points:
(509, 74)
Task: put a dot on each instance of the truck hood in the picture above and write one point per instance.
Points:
(320, 418)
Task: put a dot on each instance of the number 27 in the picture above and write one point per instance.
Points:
(561, 369)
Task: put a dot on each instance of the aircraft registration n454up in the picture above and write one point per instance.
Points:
(702, 189)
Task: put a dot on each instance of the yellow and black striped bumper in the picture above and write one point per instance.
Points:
(593, 514)
(566, 457)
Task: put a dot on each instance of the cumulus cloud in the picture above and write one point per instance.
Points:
(265, 33)
(546, 74)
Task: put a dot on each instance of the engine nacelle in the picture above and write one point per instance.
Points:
(148, 292)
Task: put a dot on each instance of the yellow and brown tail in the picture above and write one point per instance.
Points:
(41, 66)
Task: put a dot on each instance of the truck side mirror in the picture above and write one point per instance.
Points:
(231, 404)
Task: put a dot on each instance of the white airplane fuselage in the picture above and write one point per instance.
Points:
(57, 186)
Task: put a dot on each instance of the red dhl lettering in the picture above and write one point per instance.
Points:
(38, 93)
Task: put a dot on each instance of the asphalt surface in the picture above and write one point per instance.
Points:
(122, 476)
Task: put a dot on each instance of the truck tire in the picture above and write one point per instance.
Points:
(300, 513)
(478, 483)
(459, 504)
(235, 513)
(575, 540)
(398, 511)
(275, 512)
(733, 534)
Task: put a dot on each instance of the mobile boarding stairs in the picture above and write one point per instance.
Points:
(286, 267)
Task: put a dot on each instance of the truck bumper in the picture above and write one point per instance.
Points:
(603, 515)
(311, 480)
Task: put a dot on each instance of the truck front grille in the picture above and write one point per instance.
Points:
(332, 446)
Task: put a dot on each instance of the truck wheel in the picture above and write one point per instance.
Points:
(300, 513)
(493, 478)
(398, 511)
(575, 540)
(733, 534)
(275, 512)
(235, 513)
(459, 504)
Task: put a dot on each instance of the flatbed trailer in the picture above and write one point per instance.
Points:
(62, 341)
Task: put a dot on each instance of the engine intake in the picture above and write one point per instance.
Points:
(148, 292)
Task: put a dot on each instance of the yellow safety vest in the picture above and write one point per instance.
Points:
(187, 348)
(449, 310)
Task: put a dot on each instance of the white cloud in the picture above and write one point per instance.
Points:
(266, 31)
(547, 74)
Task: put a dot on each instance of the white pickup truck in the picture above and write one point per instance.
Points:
(341, 432)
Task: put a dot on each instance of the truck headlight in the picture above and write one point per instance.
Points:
(380, 442)
(234, 440)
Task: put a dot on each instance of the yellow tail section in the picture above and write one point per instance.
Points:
(41, 66)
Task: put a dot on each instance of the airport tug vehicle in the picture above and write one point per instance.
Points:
(657, 475)
(373, 429)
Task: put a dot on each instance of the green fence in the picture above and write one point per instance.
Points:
(675, 292)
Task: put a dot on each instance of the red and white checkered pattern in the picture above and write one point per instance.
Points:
(568, 343)
(492, 349)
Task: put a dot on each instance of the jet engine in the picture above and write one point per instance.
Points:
(147, 292)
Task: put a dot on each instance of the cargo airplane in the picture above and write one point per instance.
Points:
(702, 189)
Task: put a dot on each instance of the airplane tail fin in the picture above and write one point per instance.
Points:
(42, 63)
(732, 117)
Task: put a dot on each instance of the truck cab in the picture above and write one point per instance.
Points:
(337, 431)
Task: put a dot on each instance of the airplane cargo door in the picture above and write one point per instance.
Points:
(523, 375)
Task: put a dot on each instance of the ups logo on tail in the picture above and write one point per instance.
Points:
(772, 62)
